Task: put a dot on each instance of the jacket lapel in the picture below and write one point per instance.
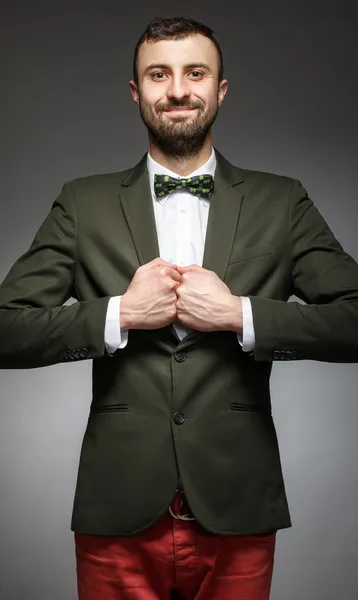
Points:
(137, 205)
(224, 213)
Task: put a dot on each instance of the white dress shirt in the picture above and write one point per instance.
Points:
(181, 221)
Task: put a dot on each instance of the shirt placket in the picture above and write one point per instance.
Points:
(183, 230)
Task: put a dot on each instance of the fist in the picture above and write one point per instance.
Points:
(150, 300)
(205, 303)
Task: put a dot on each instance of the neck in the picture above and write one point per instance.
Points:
(182, 166)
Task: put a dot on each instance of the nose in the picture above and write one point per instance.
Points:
(178, 88)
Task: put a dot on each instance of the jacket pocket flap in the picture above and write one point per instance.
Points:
(256, 251)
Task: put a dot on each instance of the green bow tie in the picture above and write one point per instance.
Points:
(200, 185)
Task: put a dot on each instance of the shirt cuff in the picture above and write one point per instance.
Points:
(114, 338)
(247, 337)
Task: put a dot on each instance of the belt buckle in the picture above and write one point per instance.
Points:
(185, 517)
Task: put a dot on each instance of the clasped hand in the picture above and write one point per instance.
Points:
(160, 293)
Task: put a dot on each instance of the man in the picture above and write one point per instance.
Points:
(182, 268)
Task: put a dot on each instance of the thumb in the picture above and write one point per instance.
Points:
(182, 269)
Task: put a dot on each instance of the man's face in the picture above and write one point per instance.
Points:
(178, 92)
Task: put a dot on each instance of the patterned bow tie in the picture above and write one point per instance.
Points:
(200, 185)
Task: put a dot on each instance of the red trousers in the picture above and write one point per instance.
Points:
(175, 558)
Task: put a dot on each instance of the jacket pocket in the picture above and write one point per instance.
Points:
(257, 251)
(108, 408)
(237, 406)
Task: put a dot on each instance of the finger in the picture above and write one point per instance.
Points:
(159, 263)
(182, 269)
(167, 270)
(175, 275)
(156, 262)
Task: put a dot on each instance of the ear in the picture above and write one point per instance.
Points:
(222, 90)
(133, 86)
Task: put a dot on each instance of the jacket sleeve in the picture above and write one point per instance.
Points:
(35, 328)
(326, 279)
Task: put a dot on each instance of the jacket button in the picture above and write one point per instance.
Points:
(67, 355)
(277, 355)
(83, 352)
(180, 356)
(179, 418)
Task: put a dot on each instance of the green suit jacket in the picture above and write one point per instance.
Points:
(199, 408)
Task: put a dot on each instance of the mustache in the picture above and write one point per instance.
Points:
(178, 104)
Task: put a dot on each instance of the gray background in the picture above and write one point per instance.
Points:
(66, 112)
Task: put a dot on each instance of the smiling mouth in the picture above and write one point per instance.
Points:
(179, 110)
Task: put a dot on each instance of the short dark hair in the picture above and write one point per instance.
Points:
(175, 28)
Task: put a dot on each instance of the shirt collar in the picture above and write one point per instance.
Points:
(154, 167)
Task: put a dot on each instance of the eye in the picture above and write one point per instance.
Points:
(196, 74)
(158, 75)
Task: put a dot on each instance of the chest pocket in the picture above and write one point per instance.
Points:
(249, 252)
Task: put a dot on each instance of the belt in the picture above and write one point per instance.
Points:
(180, 502)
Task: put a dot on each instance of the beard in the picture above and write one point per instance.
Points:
(181, 138)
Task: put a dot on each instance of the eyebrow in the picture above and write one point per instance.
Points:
(196, 65)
